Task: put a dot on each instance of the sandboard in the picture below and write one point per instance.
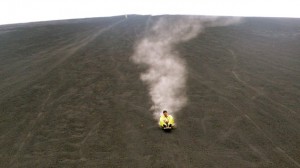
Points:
(167, 128)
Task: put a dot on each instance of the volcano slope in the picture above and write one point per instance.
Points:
(71, 96)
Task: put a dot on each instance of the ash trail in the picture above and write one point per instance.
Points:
(166, 73)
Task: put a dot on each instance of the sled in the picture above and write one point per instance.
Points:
(167, 128)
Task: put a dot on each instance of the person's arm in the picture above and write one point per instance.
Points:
(161, 121)
(171, 120)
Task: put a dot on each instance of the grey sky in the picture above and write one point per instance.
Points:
(17, 11)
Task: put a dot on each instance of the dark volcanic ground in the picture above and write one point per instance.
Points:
(71, 97)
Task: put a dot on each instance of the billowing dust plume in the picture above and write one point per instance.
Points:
(166, 72)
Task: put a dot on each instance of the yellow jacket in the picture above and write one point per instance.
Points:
(164, 119)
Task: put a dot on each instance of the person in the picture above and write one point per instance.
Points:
(166, 120)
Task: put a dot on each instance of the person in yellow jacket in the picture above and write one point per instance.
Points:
(166, 120)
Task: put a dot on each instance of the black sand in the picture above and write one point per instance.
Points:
(71, 97)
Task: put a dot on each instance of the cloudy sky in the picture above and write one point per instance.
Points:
(19, 11)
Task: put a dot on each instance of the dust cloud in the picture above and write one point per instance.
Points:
(166, 73)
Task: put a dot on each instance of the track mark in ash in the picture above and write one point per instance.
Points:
(265, 135)
(80, 43)
(247, 117)
(236, 76)
(31, 127)
(282, 152)
(90, 133)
